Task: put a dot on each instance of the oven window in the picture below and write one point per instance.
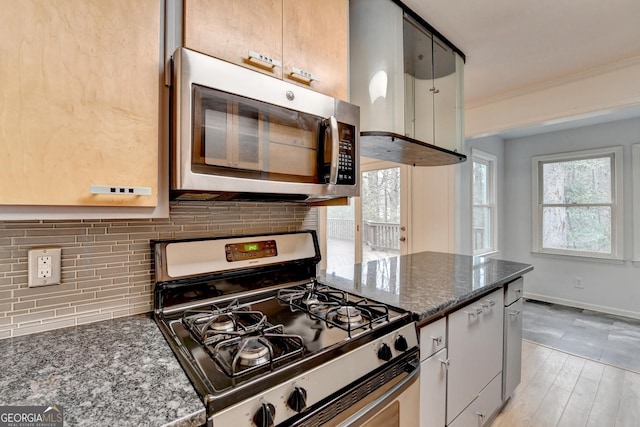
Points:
(241, 137)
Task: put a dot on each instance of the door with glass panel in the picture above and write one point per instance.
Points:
(374, 225)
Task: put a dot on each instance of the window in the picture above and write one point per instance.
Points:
(577, 201)
(484, 215)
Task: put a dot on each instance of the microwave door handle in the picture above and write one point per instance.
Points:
(335, 148)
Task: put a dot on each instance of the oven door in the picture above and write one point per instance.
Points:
(389, 398)
(396, 404)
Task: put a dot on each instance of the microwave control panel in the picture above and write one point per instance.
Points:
(346, 155)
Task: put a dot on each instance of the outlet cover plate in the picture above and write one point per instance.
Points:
(56, 254)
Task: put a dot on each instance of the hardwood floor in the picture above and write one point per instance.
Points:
(561, 389)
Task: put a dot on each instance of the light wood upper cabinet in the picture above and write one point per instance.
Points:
(79, 101)
(304, 42)
(315, 40)
(229, 29)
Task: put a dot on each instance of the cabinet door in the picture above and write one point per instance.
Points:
(230, 29)
(433, 390)
(512, 348)
(315, 41)
(475, 350)
(79, 103)
(433, 88)
(447, 87)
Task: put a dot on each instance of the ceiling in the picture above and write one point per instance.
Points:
(514, 45)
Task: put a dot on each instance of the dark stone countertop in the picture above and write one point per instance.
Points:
(119, 372)
(122, 373)
(429, 284)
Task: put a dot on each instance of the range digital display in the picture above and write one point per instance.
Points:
(251, 250)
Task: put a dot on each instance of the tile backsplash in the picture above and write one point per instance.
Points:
(106, 264)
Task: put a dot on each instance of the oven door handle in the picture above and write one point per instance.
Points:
(375, 406)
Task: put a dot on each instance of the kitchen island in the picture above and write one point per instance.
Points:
(121, 372)
(470, 327)
(429, 284)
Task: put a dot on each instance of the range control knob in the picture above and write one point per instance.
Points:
(384, 352)
(298, 399)
(401, 343)
(265, 415)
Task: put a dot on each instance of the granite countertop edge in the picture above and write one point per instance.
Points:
(436, 312)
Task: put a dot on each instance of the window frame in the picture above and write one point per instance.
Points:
(492, 197)
(617, 205)
(635, 154)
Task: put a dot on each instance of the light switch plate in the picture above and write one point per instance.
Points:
(44, 266)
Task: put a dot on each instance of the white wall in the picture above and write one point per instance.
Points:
(608, 287)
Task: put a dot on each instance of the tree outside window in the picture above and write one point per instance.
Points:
(578, 195)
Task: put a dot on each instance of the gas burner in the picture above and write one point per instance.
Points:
(312, 297)
(348, 315)
(240, 355)
(253, 353)
(311, 300)
(224, 323)
(215, 324)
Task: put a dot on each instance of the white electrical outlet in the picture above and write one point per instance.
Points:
(577, 282)
(44, 266)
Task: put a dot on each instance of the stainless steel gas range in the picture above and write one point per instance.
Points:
(266, 344)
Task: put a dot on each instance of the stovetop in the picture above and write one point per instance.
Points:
(245, 314)
(298, 325)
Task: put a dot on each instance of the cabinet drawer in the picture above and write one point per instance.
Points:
(474, 344)
(433, 338)
(513, 291)
(483, 407)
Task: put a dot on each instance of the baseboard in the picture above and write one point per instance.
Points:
(578, 304)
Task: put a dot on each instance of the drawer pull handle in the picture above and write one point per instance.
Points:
(264, 60)
(445, 363)
(514, 313)
(476, 312)
(303, 75)
(437, 340)
(518, 291)
(120, 191)
(480, 415)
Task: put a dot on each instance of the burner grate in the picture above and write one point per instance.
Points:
(334, 307)
(214, 323)
(241, 355)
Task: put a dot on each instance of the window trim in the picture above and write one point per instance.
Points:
(492, 192)
(617, 206)
(635, 185)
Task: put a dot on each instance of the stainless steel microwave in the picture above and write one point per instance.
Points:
(240, 134)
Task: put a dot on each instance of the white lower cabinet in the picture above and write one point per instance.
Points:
(433, 387)
(475, 349)
(433, 373)
(482, 407)
(461, 364)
